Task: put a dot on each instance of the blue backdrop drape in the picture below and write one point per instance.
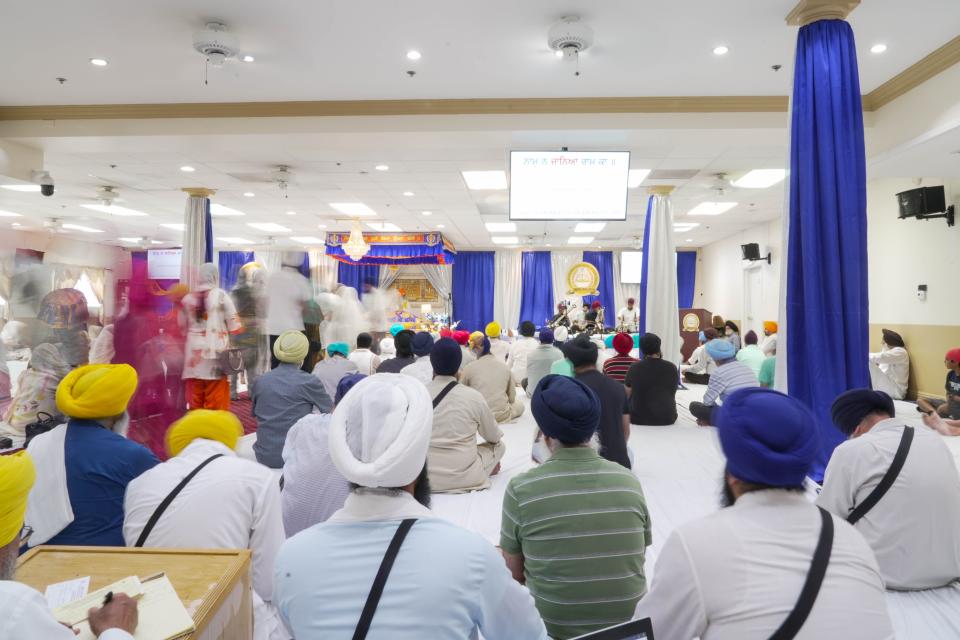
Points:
(208, 233)
(355, 276)
(826, 298)
(642, 302)
(603, 261)
(230, 263)
(536, 288)
(686, 277)
(473, 289)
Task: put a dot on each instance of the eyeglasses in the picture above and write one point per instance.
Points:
(25, 534)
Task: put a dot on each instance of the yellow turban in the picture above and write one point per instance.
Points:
(97, 390)
(291, 346)
(16, 479)
(770, 325)
(476, 340)
(221, 426)
(493, 330)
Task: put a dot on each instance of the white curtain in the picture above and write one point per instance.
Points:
(507, 283)
(323, 270)
(560, 262)
(441, 277)
(387, 276)
(662, 318)
(622, 291)
(65, 276)
(194, 239)
(271, 260)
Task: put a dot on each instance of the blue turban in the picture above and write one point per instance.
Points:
(767, 437)
(851, 407)
(702, 337)
(422, 344)
(565, 409)
(486, 346)
(346, 383)
(446, 357)
(395, 329)
(338, 347)
(720, 349)
(546, 335)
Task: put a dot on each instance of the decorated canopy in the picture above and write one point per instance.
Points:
(395, 248)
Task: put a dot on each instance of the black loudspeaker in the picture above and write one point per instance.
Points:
(751, 251)
(922, 201)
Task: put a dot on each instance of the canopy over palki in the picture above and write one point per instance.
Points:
(395, 249)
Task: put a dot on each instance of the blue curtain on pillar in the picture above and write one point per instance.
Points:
(230, 263)
(536, 288)
(826, 298)
(686, 277)
(603, 261)
(208, 233)
(642, 302)
(354, 276)
(473, 289)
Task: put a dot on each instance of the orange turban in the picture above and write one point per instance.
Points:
(770, 326)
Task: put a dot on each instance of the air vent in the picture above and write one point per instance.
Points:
(672, 174)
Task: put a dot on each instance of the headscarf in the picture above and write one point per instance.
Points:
(379, 436)
(650, 344)
(96, 390)
(581, 351)
(208, 276)
(402, 342)
(565, 409)
(751, 337)
(720, 349)
(546, 335)
(346, 383)
(770, 326)
(851, 407)
(476, 340)
(422, 344)
(395, 329)
(623, 344)
(252, 274)
(892, 338)
(291, 347)
(595, 305)
(461, 337)
(222, 426)
(560, 334)
(446, 333)
(16, 479)
(338, 347)
(730, 324)
(767, 437)
(953, 354)
(630, 301)
(446, 357)
(47, 358)
(493, 330)
(485, 350)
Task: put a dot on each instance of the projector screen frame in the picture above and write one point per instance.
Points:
(626, 191)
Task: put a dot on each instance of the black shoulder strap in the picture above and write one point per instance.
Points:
(887, 480)
(152, 522)
(443, 393)
(373, 599)
(811, 586)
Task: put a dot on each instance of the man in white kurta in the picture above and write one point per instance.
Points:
(499, 347)
(493, 380)
(517, 357)
(628, 319)
(890, 368)
(914, 530)
(231, 503)
(738, 573)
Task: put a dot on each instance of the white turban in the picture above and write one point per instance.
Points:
(380, 431)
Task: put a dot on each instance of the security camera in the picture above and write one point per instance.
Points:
(45, 180)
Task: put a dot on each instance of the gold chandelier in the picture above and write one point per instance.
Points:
(356, 247)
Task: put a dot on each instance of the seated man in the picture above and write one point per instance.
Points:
(403, 343)
(441, 577)
(85, 465)
(24, 613)
(949, 407)
(739, 573)
(365, 359)
(456, 462)
(769, 345)
(560, 318)
(576, 528)
(540, 360)
(519, 350)
(462, 338)
(334, 366)
(628, 319)
(313, 489)
(890, 369)
(387, 345)
(751, 354)
(919, 551)
(700, 365)
(422, 370)
(493, 379)
(617, 366)
(651, 386)
(498, 347)
(730, 376)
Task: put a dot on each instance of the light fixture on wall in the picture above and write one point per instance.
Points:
(356, 247)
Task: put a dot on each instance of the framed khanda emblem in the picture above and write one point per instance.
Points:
(583, 279)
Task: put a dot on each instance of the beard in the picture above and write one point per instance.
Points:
(421, 491)
(8, 562)
(726, 493)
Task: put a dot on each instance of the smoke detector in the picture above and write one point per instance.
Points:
(106, 195)
(215, 43)
(570, 37)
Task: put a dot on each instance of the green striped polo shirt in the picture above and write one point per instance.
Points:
(582, 525)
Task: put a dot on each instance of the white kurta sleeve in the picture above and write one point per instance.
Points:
(24, 614)
(506, 608)
(266, 538)
(674, 603)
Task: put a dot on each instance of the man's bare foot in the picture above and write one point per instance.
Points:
(496, 470)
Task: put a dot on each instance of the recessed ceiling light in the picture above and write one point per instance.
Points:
(113, 210)
(549, 245)
(579, 239)
(427, 213)
(306, 239)
(176, 226)
(383, 226)
(720, 50)
(98, 62)
(760, 178)
(15, 224)
(321, 226)
(9, 214)
(220, 210)
(685, 226)
(439, 226)
(505, 239)
(637, 176)
(485, 180)
(711, 208)
(269, 227)
(413, 54)
(157, 242)
(357, 209)
(234, 240)
(21, 187)
(689, 239)
(187, 169)
(878, 48)
(382, 167)
(131, 240)
(501, 227)
(80, 227)
(291, 213)
(248, 194)
(589, 227)
(248, 58)
(409, 193)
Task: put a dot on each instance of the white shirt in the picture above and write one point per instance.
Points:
(895, 364)
(517, 357)
(24, 615)
(701, 362)
(367, 361)
(313, 489)
(422, 370)
(769, 344)
(287, 292)
(629, 318)
(501, 349)
(914, 530)
(737, 574)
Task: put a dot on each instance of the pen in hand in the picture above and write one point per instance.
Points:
(108, 598)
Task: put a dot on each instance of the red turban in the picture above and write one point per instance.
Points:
(623, 343)
(954, 354)
(462, 337)
(596, 304)
(446, 333)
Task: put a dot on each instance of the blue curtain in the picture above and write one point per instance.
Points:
(305, 270)
(208, 233)
(827, 315)
(603, 261)
(473, 289)
(536, 288)
(230, 263)
(355, 276)
(642, 302)
(686, 277)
